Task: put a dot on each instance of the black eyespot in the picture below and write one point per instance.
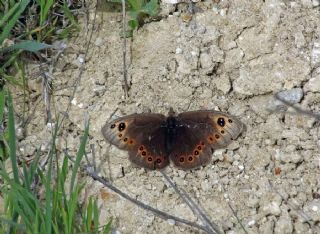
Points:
(196, 152)
(158, 161)
(120, 135)
(141, 148)
(221, 122)
(121, 126)
(125, 139)
(230, 120)
(199, 147)
(112, 126)
(181, 159)
(144, 153)
(217, 136)
(150, 159)
(222, 132)
(190, 158)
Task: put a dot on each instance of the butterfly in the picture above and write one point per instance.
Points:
(187, 139)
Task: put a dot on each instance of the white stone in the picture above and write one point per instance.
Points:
(315, 3)
(313, 84)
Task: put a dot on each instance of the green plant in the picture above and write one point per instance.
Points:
(138, 10)
(141, 8)
(55, 210)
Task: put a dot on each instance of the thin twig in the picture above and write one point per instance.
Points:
(124, 50)
(93, 174)
(212, 228)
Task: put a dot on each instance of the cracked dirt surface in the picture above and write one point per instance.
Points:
(231, 56)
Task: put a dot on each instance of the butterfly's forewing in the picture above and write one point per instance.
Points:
(198, 133)
(142, 135)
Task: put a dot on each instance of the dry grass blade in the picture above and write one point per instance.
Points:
(124, 50)
(297, 109)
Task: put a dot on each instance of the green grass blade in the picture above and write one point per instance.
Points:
(107, 228)
(95, 217)
(2, 102)
(79, 156)
(49, 191)
(12, 139)
(8, 14)
(6, 30)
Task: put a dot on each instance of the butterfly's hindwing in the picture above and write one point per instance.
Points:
(142, 136)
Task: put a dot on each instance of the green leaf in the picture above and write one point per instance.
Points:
(133, 24)
(31, 46)
(151, 8)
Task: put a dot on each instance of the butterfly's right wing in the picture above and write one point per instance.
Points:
(198, 133)
(142, 135)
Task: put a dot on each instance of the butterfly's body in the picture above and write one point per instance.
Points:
(188, 139)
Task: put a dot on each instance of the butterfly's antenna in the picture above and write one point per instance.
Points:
(212, 227)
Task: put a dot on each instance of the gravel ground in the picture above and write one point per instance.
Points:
(231, 56)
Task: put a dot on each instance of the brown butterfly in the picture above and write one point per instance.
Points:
(188, 139)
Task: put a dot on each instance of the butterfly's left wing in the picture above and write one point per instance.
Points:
(198, 133)
(142, 135)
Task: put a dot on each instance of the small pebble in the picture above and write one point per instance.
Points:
(171, 222)
(178, 50)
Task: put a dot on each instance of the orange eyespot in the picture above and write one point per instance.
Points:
(210, 139)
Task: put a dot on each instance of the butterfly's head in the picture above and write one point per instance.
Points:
(171, 112)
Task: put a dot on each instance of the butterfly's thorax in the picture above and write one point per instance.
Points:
(170, 127)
